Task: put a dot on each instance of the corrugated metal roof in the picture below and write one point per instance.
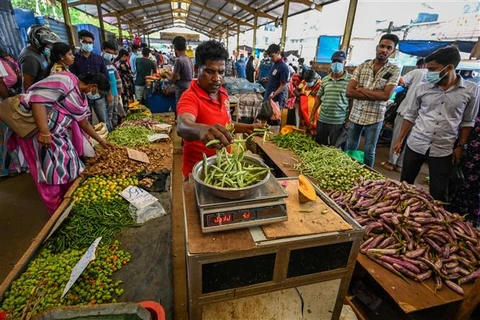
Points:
(210, 17)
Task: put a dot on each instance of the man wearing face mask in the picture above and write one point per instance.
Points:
(371, 86)
(109, 53)
(133, 57)
(34, 58)
(441, 118)
(87, 62)
(335, 103)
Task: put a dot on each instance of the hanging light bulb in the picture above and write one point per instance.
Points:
(129, 1)
(235, 8)
(219, 17)
(312, 6)
(144, 17)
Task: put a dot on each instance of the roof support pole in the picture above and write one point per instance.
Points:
(286, 7)
(120, 36)
(148, 40)
(68, 22)
(100, 19)
(347, 33)
(227, 37)
(255, 27)
(238, 40)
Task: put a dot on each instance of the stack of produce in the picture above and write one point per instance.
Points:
(103, 188)
(109, 162)
(331, 168)
(41, 285)
(130, 136)
(411, 234)
(145, 122)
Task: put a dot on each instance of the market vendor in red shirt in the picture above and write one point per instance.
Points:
(204, 109)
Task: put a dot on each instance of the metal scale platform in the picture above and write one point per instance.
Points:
(265, 206)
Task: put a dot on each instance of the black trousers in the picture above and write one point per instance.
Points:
(440, 169)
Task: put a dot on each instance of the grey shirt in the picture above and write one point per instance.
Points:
(33, 63)
(438, 115)
(184, 67)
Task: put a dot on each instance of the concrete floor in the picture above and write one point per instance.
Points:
(22, 216)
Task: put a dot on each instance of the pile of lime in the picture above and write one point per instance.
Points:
(103, 188)
(40, 287)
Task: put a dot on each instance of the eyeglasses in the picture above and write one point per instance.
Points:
(87, 42)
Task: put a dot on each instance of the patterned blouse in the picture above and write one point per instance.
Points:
(60, 163)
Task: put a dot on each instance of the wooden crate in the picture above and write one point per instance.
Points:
(240, 263)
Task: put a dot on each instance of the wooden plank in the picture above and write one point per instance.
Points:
(305, 218)
(471, 301)
(217, 242)
(283, 159)
(411, 296)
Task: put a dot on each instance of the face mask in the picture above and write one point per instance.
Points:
(311, 83)
(337, 67)
(46, 51)
(108, 56)
(434, 76)
(87, 47)
(92, 96)
(139, 54)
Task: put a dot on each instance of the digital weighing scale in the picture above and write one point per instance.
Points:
(265, 206)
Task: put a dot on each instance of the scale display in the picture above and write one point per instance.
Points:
(217, 219)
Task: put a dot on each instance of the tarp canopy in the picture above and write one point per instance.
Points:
(423, 48)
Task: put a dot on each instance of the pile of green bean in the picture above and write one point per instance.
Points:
(88, 221)
(41, 285)
(295, 141)
(231, 171)
(332, 169)
(132, 136)
(136, 116)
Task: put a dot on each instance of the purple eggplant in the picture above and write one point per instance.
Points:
(424, 276)
(386, 242)
(405, 271)
(400, 262)
(371, 226)
(455, 287)
(438, 282)
(415, 253)
(433, 244)
(382, 251)
(471, 277)
(451, 265)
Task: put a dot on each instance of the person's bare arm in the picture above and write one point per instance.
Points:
(175, 77)
(190, 130)
(463, 136)
(3, 89)
(87, 127)
(406, 126)
(28, 80)
(279, 90)
(353, 92)
(41, 119)
(378, 95)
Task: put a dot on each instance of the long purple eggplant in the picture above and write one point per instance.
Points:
(471, 277)
(400, 262)
(416, 253)
(455, 287)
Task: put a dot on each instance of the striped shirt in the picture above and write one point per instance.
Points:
(61, 163)
(365, 112)
(333, 96)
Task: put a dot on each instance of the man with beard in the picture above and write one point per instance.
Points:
(371, 86)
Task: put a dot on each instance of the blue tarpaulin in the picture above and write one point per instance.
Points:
(423, 48)
(327, 45)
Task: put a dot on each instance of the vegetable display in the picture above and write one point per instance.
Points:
(230, 170)
(103, 188)
(136, 116)
(88, 221)
(411, 234)
(41, 285)
(331, 168)
(130, 136)
(116, 162)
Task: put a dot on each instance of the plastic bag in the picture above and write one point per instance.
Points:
(457, 179)
(276, 112)
(265, 111)
(342, 139)
(356, 154)
(152, 211)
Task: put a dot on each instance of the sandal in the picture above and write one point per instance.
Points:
(387, 165)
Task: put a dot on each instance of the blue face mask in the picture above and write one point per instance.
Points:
(434, 76)
(337, 67)
(311, 83)
(46, 51)
(87, 47)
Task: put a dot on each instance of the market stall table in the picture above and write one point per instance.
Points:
(409, 295)
(248, 262)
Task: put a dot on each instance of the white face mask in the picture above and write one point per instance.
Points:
(92, 96)
(108, 56)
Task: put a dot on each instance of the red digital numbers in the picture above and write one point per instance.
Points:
(246, 215)
(222, 219)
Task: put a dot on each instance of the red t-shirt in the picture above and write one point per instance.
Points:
(206, 111)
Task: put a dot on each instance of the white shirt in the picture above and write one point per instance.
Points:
(412, 79)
